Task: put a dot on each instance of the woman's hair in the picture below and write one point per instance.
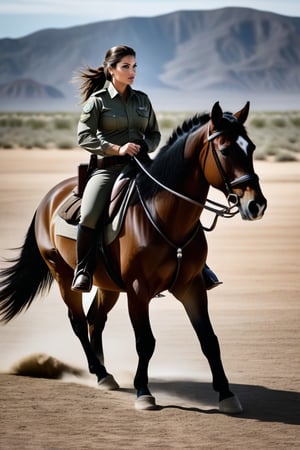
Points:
(94, 79)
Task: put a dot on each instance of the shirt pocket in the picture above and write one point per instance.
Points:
(142, 116)
(112, 121)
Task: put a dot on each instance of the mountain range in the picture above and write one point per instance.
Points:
(181, 56)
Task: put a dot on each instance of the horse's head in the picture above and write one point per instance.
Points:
(228, 164)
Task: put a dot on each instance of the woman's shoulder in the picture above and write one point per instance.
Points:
(139, 93)
(142, 97)
(99, 93)
(96, 98)
(94, 102)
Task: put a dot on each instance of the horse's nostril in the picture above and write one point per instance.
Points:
(253, 208)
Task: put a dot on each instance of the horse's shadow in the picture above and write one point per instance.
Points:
(259, 402)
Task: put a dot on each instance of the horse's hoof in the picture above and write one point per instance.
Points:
(145, 403)
(230, 405)
(108, 383)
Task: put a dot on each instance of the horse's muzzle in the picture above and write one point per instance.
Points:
(248, 197)
(252, 209)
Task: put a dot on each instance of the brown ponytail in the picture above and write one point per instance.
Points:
(92, 80)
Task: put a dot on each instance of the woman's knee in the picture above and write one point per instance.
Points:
(89, 221)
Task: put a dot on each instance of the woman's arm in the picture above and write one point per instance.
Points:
(152, 133)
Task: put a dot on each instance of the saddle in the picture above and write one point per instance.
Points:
(68, 215)
(117, 205)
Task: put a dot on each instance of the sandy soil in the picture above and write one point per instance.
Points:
(255, 314)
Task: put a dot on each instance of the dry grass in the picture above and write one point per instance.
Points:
(276, 134)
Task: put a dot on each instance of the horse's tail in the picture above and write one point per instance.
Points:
(27, 276)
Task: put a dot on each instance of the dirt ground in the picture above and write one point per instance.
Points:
(255, 314)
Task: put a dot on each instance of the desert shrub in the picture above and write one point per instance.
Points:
(5, 144)
(37, 123)
(166, 123)
(3, 122)
(40, 144)
(295, 121)
(270, 149)
(65, 145)
(285, 156)
(279, 122)
(260, 156)
(28, 146)
(62, 123)
(14, 121)
(291, 147)
(170, 121)
(258, 122)
(292, 139)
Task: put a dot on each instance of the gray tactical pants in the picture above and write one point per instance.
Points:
(96, 195)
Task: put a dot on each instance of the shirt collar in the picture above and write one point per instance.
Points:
(112, 90)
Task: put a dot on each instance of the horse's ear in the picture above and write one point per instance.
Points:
(242, 115)
(216, 115)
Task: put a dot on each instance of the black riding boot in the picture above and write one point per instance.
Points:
(86, 258)
(210, 278)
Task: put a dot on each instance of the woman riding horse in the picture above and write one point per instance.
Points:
(116, 123)
(161, 246)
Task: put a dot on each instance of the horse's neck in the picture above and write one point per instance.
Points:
(177, 216)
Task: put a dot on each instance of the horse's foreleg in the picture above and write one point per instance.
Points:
(145, 344)
(197, 311)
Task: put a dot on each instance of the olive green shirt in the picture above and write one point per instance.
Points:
(107, 119)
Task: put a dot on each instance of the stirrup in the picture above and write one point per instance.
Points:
(213, 284)
(82, 282)
(210, 278)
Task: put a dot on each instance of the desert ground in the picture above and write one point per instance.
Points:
(255, 314)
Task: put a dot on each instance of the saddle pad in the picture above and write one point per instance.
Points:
(70, 209)
(111, 230)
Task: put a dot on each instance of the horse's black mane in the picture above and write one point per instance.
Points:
(168, 164)
(186, 127)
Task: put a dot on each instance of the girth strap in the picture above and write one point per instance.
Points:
(179, 252)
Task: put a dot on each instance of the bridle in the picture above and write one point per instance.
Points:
(225, 211)
(231, 196)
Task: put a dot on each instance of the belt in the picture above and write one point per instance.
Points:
(108, 161)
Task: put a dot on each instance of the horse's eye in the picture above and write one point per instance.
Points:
(224, 151)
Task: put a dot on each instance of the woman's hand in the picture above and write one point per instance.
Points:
(130, 149)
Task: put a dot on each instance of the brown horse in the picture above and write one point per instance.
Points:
(161, 245)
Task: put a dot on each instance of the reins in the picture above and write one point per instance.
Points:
(219, 210)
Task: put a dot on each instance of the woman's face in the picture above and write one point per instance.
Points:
(124, 72)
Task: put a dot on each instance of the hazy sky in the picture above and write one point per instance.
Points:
(21, 17)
